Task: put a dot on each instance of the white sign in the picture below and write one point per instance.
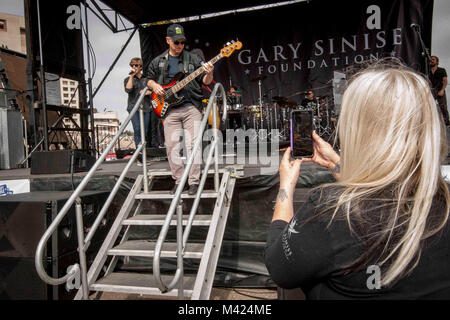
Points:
(8, 187)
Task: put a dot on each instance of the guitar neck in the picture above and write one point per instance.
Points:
(180, 85)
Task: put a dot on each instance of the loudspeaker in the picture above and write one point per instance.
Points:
(23, 220)
(60, 161)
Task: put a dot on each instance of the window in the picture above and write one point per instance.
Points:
(23, 39)
(72, 83)
(65, 82)
(2, 25)
(66, 95)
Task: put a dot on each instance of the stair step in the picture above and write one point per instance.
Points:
(159, 173)
(140, 283)
(146, 248)
(206, 194)
(158, 220)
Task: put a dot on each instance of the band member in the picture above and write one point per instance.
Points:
(186, 116)
(232, 92)
(438, 78)
(235, 101)
(133, 84)
(309, 101)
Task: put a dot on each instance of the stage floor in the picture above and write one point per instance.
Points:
(248, 221)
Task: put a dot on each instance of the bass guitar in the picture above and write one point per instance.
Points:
(162, 103)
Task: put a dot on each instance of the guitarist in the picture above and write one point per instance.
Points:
(187, 115)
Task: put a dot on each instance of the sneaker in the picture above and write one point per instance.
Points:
(139, 163)
(174, 189)
(193, 189)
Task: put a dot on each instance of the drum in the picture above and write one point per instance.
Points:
(253, 109)
(235, 102)
(238, 107)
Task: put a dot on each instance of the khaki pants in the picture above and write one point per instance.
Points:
(186, 119)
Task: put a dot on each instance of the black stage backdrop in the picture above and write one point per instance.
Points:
(304, 45)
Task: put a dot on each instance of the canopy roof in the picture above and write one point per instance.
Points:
(144, 11)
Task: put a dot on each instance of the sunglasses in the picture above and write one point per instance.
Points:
(135, 65)
(179, 42)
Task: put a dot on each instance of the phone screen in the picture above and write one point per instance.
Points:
(301, 134)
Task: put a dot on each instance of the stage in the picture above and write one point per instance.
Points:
(241, 262)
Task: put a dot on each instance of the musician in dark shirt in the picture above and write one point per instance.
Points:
(309, 101)
(234, 101)
(186, 117)
(438, 78)
(134, 84)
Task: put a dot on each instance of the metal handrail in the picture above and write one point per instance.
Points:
(84, 243)
(175, 202)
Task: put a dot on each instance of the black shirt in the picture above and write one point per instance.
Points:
(133, 93)
(311, 104)
(310, 256)
(437, 78)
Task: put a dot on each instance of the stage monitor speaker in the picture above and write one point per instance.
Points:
(60, 161)
(23, 220)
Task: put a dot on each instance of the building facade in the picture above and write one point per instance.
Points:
(106, 127)
(12, 32)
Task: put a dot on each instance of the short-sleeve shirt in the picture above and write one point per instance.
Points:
(437, 79)
(310, 104)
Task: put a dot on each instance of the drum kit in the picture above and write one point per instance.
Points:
(276, 113)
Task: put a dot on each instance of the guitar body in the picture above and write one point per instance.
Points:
(162, 104)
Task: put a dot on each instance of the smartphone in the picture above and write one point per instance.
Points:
(301, 134)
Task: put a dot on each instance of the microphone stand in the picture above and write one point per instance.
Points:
(425, 51)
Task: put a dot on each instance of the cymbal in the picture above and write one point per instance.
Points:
(260, 77)
(291, 103)
(278, 99)
(288, 104)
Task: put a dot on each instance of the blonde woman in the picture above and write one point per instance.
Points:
(381, 231)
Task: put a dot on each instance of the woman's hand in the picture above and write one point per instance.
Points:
(324, 154)
(289, 172)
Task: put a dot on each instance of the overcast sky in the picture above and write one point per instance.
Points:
(107, 45)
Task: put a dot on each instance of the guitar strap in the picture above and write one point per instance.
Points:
(187, 67)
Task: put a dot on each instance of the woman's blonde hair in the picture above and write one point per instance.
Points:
(392, 143)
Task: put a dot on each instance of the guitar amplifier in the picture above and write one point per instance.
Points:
(60, 161)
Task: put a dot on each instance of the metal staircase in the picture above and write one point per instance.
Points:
(194, 286)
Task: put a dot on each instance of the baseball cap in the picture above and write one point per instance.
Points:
(175, 32)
